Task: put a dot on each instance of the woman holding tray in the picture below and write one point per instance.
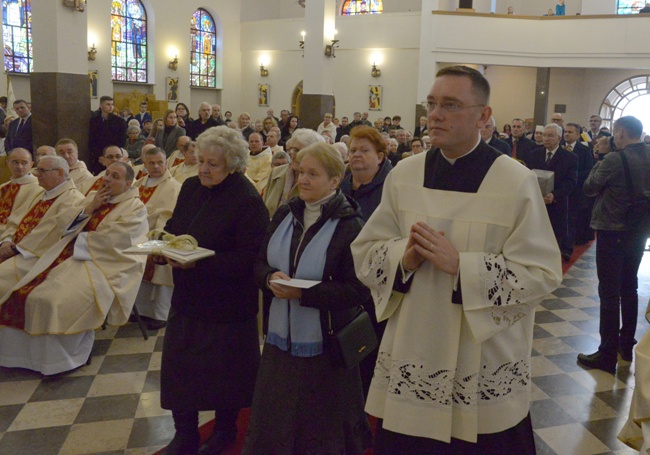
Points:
(304, 403)
(211, 349)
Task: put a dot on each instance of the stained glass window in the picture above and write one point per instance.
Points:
(629, 6)
(203, 52)
(128, 41)
(17, 35)
(354, 7)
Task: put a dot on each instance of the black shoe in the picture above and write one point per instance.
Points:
(597, 360)
(217, 443)
(154, 324)
(566, 257)
(626, 354)
(183, 445)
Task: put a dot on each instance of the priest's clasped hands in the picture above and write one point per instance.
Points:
(425, 243)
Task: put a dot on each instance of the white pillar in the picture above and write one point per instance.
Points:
(320, 26)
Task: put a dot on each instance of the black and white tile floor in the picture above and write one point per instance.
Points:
(112, 406)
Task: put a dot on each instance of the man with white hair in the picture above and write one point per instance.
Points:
(205, 121)
(487, 134)
(564, 164)
(216, 115)
(44, 150)
(343, 150)
(22, 190)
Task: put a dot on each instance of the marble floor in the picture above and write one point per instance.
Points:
(112, 406)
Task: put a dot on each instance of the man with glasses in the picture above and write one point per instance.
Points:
(457, 255)
(487, 134)
(80, 281)
(22, 190)
(29, 236)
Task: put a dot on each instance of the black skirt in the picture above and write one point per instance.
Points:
(208, 365)
(306, 406)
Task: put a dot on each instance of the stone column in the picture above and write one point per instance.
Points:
(317, 97)
(541, 95)
(60, 92)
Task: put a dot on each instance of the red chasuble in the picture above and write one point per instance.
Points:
(33, 217)
(12, 312)
(96, 186)
(178, 161)
(8, 195)
(146, 193)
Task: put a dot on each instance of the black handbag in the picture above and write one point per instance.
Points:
(353, 341)
(637, 218)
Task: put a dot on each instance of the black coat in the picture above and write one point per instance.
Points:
(500, 145)
(22, 138)
(564, 164)
(368, 196)
(101, 134)
(585, 163)
(524, 145)
(230, 219)
(340, 291)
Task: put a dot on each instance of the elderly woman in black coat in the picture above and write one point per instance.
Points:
(211, 349)
(303, 403)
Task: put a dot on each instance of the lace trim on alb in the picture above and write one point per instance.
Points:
(504, 290)
(375, 269)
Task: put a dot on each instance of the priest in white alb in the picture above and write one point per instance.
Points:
(189, 167)
(22, 190)
(457, 255)
(84, 279)
(158, 192)
(79, 173)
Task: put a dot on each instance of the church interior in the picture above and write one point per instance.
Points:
(311, 57)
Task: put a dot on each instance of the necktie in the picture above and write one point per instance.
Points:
(514, 147)
(549, 155)
(20, 124)
(569, 148)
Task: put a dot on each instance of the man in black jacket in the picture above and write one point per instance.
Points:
(19, 133)
(487, 134)
(519, 144)
(104, 129)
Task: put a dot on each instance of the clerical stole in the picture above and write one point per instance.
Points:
(33, 217)
(8, 195)
(178, 161)
(146, 193)
(12, 312)
(96, 186)
(141, 174)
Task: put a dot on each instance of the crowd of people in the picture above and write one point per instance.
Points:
(441, 235)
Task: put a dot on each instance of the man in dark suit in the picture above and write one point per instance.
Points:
(104, 129)
(580, 205)
(20, 130)
(519, 144)
(143, 115)
(564, 164)
(487, 134)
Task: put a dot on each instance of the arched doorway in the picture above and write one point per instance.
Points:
(629, 97)
(295, 99)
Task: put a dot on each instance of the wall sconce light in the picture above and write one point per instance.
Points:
(302, 42)
(375, 72)
(263, 71)
(329, 48)
(173, 64)
(92, 52)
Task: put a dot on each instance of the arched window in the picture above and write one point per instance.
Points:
(630, 97)
(17, 35)
(354, 7)
(203, 51)
(128, 41)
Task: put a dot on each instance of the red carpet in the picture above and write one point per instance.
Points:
(244, 415)
(578, 251)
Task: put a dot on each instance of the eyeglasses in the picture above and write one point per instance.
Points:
(449, 108)
(39, 171)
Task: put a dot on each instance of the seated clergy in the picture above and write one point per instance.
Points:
(82, 280)
(22, 190)
(189, 167)
(79, 173)
(29, 235)
(110, 155)
(158, 192)
(176, 157)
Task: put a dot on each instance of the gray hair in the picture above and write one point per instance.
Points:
(205, 103)
(133, 122)
(133, 129)
(152, 152)
(280, 155)
(229, 142)
(556, 127)
(393, 141)
(305, 137)
(59, 162)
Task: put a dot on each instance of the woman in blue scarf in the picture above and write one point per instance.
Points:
(303, 403)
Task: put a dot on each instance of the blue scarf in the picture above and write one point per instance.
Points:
(290, 324)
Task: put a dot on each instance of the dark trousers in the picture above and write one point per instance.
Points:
(618, 256)
(187, 422)
(516, 440)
